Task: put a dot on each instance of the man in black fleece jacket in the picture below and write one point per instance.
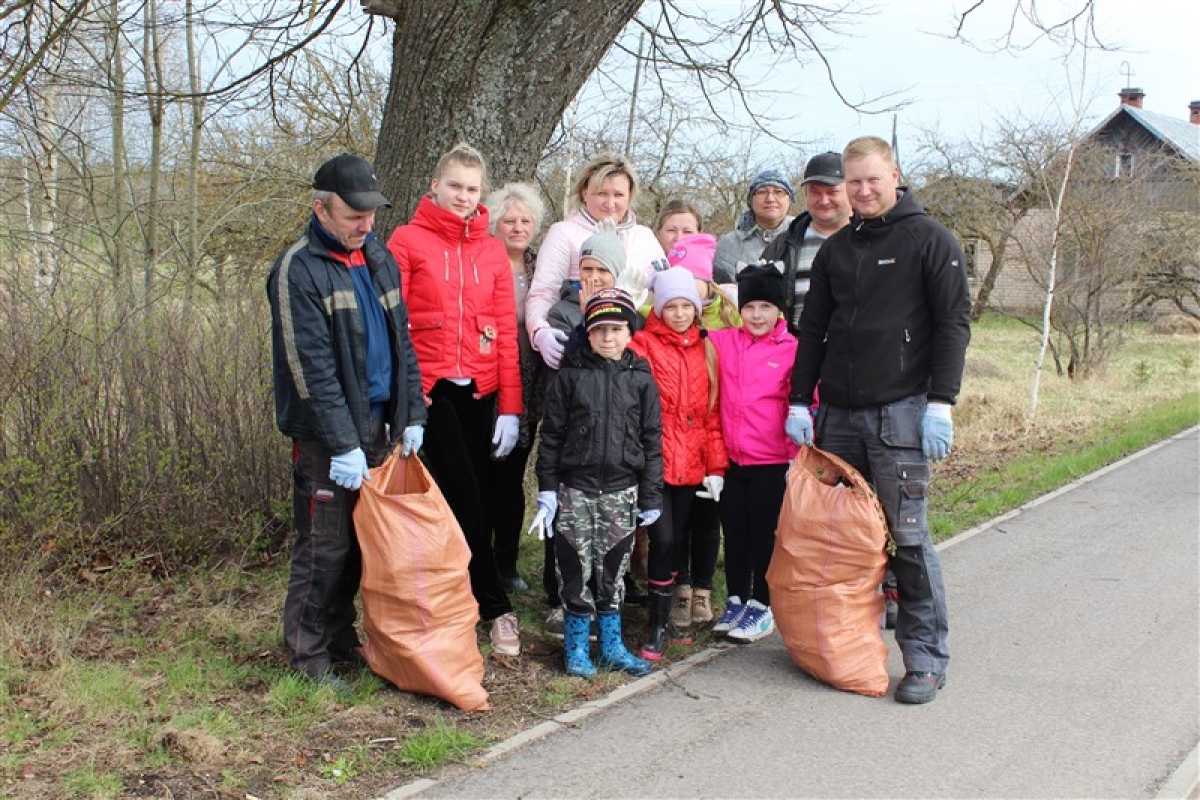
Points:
(885, 329)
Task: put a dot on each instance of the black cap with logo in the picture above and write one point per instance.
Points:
(825, 168)
(352, 179)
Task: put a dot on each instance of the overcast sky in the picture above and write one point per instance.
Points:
(957, 89)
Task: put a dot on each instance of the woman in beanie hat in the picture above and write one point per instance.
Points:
(768, 201)
(693, 453)
(605, 189)
(754, 377)
(599, 472)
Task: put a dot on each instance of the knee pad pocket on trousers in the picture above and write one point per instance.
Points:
(909, 524)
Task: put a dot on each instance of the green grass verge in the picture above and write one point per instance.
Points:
(956, 506)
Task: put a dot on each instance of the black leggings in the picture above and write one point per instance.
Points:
(457, 450)
(701, 544)
(667, 533)
(749, 514)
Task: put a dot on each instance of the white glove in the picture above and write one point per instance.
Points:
(648, 518)
(713, 486)
(937, 431)
(543, 520)
(799, 425)
(411, 440)
(349, 470)
(550, 343)
(508, 428)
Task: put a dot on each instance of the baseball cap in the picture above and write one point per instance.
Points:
(825, 168)
(352, 179)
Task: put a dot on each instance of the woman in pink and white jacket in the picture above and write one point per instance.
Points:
(605, 189)
(754, 372)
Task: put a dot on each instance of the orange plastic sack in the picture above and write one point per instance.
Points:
(825, 572)
(418, 610)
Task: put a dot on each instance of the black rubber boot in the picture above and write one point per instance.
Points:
(660, 623)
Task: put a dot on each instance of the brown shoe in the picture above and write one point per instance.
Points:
(702, 612)
(681, 606)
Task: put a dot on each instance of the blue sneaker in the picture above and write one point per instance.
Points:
(734, 609)
(756, 623)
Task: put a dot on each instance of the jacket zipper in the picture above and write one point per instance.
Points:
(459, 343)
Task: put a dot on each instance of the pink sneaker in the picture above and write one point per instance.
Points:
(505, 635)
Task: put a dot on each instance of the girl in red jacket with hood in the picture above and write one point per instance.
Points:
(693, 451)
(458, 286)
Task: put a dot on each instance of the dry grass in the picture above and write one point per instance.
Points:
(993, 413)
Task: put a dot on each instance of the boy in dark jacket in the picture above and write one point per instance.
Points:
(600, 467)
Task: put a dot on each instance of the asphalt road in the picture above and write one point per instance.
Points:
(1075, 672)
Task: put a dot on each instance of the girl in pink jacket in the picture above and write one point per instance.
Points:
(754, 371)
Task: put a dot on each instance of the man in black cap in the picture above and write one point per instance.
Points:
(347, 388)
(826, 211)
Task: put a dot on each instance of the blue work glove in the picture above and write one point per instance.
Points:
(712, 485)
(508, 429)
(543, 520)
(550, 343)
(937, 431)
(799, 425)
(349, 470)
(648, 518)
(412, 439)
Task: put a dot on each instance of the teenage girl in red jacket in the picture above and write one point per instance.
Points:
(458, 287)
(693, 450)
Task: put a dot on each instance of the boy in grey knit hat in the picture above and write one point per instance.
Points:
(602, 265)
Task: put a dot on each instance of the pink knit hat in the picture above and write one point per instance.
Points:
(695, 253)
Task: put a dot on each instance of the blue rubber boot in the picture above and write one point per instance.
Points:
(575, 645)
(613, 654)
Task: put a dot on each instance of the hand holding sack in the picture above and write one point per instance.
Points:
(411, 440)
(799, 426)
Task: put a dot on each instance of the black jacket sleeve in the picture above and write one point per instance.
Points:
(651, 479)
(553, 431)
(949, 301)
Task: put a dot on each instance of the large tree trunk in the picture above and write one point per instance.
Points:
(517, 65)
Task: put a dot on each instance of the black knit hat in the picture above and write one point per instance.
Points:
(761, 282)
(609, 306)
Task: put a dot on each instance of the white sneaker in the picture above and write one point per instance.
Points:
(756, 623)
(505, 635)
